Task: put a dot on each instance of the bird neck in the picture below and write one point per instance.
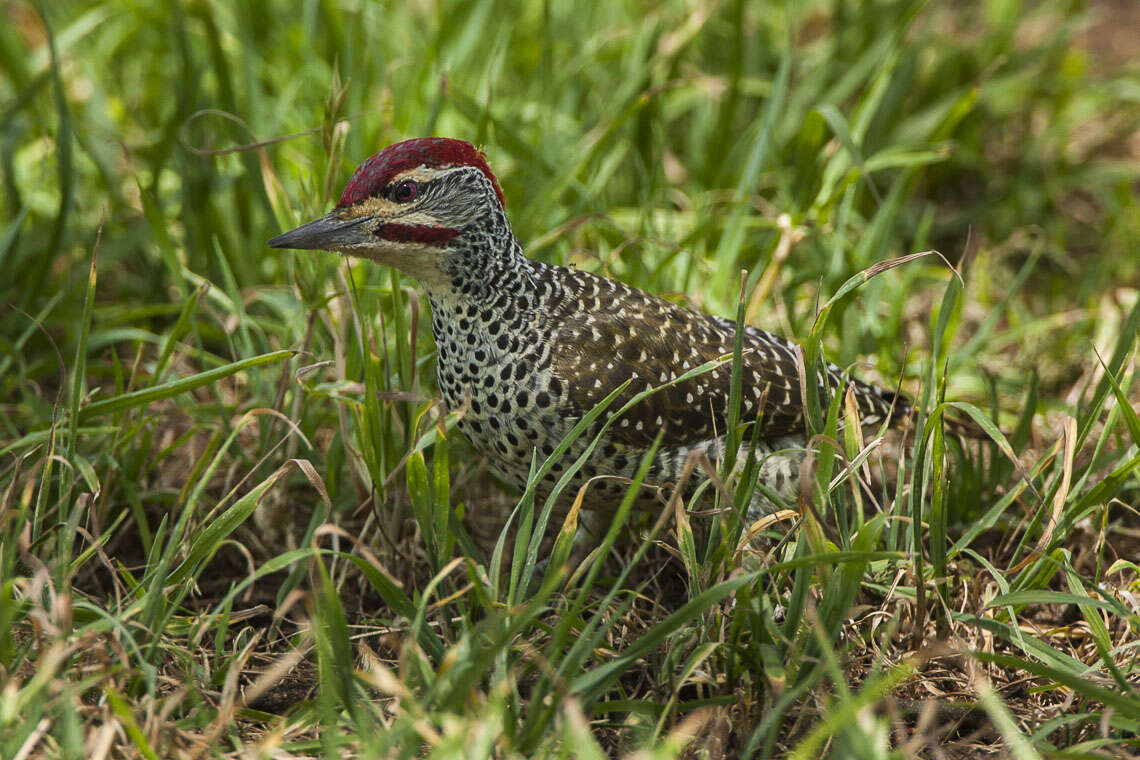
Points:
(486, 315)
(484, 268)
(491, 290)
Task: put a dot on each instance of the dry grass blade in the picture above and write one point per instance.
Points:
(1069, 441)
(873, 271)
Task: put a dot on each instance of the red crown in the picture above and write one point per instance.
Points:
(436, 152)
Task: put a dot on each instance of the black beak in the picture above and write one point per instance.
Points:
(329, 233)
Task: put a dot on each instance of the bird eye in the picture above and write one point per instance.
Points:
(405, 191)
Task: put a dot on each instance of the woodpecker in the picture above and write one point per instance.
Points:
(529, 348)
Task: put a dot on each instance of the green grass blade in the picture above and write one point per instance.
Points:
(174, 388)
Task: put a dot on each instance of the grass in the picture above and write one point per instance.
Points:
(234, 523)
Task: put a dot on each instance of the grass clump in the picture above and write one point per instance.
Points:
(234, 522)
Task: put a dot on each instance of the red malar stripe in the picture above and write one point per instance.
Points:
(413, 233)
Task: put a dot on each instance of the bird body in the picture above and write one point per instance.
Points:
(528, 348)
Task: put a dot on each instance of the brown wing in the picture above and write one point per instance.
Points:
(623, 333)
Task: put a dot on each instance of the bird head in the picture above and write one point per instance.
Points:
(408, 206)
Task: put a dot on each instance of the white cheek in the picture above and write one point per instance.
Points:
(417, 219)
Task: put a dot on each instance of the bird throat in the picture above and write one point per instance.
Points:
(488, 336)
